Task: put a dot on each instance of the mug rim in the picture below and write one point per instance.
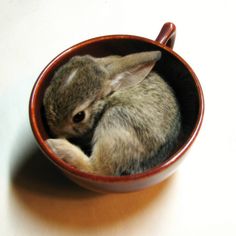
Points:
(73, 170)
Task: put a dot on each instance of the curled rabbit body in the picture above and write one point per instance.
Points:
(130, 113)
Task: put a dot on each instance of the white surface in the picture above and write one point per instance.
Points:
(37, 200)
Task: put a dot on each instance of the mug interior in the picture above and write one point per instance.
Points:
(170, 67)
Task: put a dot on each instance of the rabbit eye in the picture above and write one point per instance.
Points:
(79, 117)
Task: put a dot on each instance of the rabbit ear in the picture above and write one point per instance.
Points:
(132, 69)
(106, 61)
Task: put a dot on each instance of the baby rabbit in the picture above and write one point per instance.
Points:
(130, 113)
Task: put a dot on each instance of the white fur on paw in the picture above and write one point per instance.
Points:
(70, 153)
(61, 147)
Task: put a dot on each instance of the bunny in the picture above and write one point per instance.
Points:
(130, 113)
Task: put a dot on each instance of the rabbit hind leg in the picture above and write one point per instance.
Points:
(117, 151)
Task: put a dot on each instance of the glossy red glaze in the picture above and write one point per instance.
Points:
(172, 67)
(167, 35)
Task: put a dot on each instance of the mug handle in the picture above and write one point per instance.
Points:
(167, 35)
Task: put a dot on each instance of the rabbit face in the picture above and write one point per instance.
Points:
(73, 96)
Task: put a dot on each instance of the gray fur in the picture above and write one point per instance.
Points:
(132, 113)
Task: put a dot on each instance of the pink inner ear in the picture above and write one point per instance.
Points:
(132, 76)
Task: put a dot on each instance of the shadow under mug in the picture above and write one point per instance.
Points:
(171, 67)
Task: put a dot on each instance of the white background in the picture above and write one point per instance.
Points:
(35, 199)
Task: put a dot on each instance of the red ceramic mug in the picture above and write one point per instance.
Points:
(171, 67)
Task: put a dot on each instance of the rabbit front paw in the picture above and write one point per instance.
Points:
(62, 148)
(71, 154)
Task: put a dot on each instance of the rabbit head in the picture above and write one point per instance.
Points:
(76, 96)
